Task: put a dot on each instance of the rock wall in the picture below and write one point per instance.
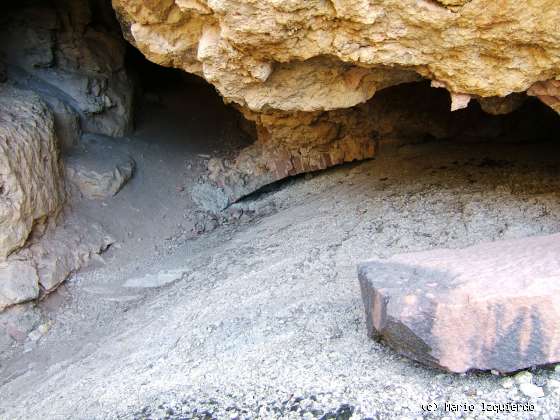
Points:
(62, 72)
(72, 54)
(31, 186)
(289, 65)
(291, 143)
(38, 250)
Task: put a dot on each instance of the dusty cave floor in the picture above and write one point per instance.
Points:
(266, 319)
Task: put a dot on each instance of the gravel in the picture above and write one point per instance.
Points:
(267, 322)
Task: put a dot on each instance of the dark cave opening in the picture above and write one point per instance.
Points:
(74, 55)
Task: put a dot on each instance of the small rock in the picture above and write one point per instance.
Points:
(524, 377)
(531, 391)
(507, 383)
(35, 335)
(19, 282)
(98, 171)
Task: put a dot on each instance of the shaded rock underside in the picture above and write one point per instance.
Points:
(301, 71)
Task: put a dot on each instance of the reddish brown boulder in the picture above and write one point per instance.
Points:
(491, 306)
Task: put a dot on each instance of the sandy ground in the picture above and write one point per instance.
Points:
(262, 317)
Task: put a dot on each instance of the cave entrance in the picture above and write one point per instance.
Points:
(291, 144)
(185, 153)
(182, 110)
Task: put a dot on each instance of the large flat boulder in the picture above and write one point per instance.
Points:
(491, 306)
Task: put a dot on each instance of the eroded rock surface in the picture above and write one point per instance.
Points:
(97, 170)
(289, 64)
(548, 92)
(72, 54)
(31, 185)
(38, 250)
(291, 143)
(271, 54)
(490, 306)
(48, 259)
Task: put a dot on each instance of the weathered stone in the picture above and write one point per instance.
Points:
(66, 121)
(70, 52)
(499, 106)
(291, 143)
(548, 92)
(310, 55)
(294, 64)
(98, 171)
(31, 183)
(19, 282)
(490, 306)
(49, 259)
(531, 390)
(66, 249)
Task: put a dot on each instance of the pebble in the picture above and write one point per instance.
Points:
(524, 377)
(44, 328)
(554, 386)
(35, 335)
(531, 391)
(507, 383)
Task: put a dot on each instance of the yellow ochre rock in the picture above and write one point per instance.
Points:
(295, 55)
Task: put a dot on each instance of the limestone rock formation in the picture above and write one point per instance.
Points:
(288, 64)
(273, 54)
(290, 143)
(70, 53)
(65, 250)
(48, 259)
(31, 187)
(35, 256)
(548, 92)
(19, 282)
(500, 106)
(491, 306)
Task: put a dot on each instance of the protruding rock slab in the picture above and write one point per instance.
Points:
(491, 306)
(98, 170)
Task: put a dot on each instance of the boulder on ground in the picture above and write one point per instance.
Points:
(19, 282)
(98, 170)
(493, 306)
